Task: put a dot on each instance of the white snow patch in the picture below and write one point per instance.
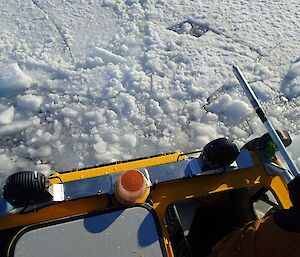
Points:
(7, 164)
(154, 108)
(232, 111)
(43, 151)
(238, 133)
(90, 63)
(47, 136)
(128, 141)
(104, 157)
(108, 3)
(7, 116)
(69, 112)
(237, 112)
(194, 110)
(18, 126)
(114, 68)
(29, 102)
(12, 79)
(107, 56)
(186, 27)
(262, 91)
(97, 116)
(294, 71)
(202, 133)
(126, 105)
(292, 87)
(100, 146)
(220, 104)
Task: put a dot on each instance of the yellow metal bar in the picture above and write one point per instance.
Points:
(115, 168)
(53, 212)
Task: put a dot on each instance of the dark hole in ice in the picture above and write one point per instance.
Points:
(190, 27)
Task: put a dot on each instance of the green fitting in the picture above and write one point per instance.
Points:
(270, 150)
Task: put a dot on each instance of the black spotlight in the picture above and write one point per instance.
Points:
(25, 187)
(220, 152)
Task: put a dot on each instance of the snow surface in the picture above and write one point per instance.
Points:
(83, 82)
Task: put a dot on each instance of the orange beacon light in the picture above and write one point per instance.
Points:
(132, 187)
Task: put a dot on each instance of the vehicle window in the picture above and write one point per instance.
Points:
(129, 232)
(195, 225)
(264, 204)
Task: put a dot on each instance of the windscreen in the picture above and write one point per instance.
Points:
(129, 232)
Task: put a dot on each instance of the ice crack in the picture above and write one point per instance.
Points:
(58, 28)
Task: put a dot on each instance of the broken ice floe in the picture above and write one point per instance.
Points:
(190, 27)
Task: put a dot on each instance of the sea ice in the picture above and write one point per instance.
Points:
(237, 112)
(292, 79)
(108, 80)
(128, 141)
(18, 126)
(13, 79)
(29, 102)
(100, 146)
(7, 115)
(107, 56)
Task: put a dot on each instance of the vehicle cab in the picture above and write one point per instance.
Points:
(177, 204)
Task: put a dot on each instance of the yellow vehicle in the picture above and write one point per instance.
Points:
(176, 204)
(168, 205)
